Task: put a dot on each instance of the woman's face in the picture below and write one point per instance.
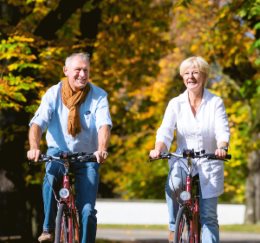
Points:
(193, 79)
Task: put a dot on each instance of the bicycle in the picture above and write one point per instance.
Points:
(67, 220)
(188, 227)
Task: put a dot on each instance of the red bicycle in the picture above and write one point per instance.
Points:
(188, 227)
(67, 220)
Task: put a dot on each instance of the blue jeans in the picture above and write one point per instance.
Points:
(86, 187)
(208, 207)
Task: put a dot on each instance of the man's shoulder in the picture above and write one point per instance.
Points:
(54, 88)
(52, 92)
(97, 90)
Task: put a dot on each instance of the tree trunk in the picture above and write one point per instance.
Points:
(253, 188)
(89, 27)
(13, 214)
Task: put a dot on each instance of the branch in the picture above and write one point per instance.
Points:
(56, 18)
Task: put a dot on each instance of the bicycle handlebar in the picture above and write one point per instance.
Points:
(71, 157)
(190, 154)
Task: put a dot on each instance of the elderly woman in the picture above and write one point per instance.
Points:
(200, 121)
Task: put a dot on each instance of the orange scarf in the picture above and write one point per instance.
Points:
(73, 101)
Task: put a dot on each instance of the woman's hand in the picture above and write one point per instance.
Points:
(221, 153)
(155, 153)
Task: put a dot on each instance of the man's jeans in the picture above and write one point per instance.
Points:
(208, 207)
(86, 186)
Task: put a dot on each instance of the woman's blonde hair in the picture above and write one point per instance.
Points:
(197, 62)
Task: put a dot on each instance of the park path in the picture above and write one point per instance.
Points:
(160, 236)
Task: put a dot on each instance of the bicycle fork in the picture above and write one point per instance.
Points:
(68, 199)
(193, 204)
(195, 215)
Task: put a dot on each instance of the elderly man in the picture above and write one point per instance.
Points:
(76, 115)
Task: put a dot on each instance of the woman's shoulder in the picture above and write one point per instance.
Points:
(176, 102)
(210, 96)
(179, 99)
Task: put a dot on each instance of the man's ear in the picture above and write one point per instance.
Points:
(65, 70)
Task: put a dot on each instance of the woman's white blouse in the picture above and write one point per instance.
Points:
(201, 132)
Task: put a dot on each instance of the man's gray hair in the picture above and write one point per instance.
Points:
(84, 56)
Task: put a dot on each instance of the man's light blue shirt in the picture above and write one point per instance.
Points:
(52, 115)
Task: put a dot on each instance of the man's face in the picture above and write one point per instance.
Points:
(77, 73)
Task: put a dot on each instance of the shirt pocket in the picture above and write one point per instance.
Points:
(88, 120)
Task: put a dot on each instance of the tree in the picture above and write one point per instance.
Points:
(136, 47)
(35, 38)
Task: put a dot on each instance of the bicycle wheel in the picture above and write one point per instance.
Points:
(74, 226)
(183, 229)
(61, 227)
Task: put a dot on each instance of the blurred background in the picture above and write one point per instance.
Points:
(136, 48)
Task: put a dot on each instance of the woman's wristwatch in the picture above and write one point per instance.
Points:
(224, 148)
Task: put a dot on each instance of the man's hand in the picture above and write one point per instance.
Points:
(101, 155)
(33, 154)
(35, 134)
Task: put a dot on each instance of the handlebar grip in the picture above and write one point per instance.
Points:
(152, 159)
(213, 156)
(162, 156)
(42, 158)
(228, 156)
(88, 158)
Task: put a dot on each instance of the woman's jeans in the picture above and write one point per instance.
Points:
(208, 207)
(86, 186)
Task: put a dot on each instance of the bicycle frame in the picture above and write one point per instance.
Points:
(67, 221)
(192, 203)
(67, 197)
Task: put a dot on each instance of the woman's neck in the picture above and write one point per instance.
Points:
(195, 96)
(195, 99)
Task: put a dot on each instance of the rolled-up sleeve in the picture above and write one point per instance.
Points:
(44, 113)
(222, 132)
(165, 133)
(102, 113)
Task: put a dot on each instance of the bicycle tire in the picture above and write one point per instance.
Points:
(75, 227)
(61, 225)
(182, 232)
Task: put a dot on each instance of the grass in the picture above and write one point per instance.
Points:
(252, 228)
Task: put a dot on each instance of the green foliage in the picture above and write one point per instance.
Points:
(15, 81)
(129, 45)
